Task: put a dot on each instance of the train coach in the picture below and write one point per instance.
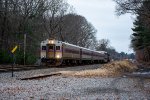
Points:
(56, 52)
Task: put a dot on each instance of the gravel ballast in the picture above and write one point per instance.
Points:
(71, 88)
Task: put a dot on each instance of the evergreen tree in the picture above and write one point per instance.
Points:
(140, 39)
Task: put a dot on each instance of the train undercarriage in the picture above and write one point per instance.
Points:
(58, 62)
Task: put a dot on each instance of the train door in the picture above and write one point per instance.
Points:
(50, 51)
(58, 54)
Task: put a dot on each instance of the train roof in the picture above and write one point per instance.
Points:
(76, 46)
(84, 48)
(46, 41)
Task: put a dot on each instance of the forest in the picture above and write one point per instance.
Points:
(39, 20)
(140, 38)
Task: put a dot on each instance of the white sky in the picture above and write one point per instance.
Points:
(101, 13)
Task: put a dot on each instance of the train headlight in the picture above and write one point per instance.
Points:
(51, 41)
(58, 56)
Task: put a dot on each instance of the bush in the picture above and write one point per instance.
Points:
(112, 69)
(30, 59)
(5, 57)
(19, 57)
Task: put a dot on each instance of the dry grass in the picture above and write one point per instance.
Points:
(112, 69)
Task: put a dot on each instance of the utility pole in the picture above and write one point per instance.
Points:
(14, 58)
(24, 48)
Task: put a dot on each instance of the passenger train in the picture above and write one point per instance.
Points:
(54, 52)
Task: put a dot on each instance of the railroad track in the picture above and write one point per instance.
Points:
(8, 68)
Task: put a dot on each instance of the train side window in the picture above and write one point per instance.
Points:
(43, 47)
(51, 47)
(57, 47)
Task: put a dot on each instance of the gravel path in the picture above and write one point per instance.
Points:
(71, 88)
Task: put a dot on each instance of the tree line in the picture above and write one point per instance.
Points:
(104, 45)
(40, 20)
(140, 38)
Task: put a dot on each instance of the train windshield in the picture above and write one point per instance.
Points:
(51, 47)
(57, 47)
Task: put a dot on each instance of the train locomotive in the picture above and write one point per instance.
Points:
(54, 52)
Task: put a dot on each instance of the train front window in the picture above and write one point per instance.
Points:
(51, 47)
(57, 47)
(43, 47)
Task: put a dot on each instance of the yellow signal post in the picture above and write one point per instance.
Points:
(14, 49)
(14, 58)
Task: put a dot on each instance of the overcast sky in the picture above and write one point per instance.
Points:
(101, 13)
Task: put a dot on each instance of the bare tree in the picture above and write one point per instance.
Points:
(103, 44)
(77, 30)
(128, 6)
(133, 6)
(53, 16)
(16, 16)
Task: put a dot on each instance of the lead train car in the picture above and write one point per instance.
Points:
(55, 52)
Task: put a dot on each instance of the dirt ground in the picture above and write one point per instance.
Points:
(72, 88)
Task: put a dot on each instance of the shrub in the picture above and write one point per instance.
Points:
(30, 59)
(19, 57)
(5, 57)
(112, 69)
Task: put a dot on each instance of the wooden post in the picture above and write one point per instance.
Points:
(14, 58)
(24, 48)
(12, 74)
(14, 61)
